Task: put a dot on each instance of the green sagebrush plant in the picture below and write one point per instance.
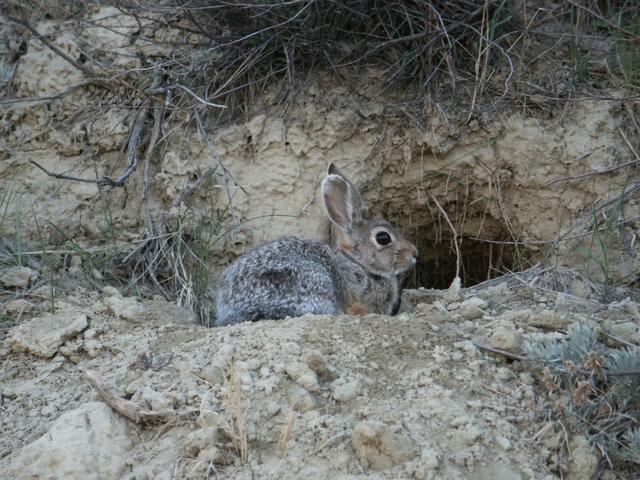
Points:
(600, 388)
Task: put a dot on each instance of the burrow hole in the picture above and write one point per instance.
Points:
(481, 259)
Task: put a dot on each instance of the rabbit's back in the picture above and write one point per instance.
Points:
(286, 277)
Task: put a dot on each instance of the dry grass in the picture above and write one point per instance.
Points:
(286, 434)
(235, 424)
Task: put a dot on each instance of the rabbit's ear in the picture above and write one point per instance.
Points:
(333, 170)
(359, 208)
(337, 199)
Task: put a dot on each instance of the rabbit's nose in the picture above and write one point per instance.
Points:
(414, 255)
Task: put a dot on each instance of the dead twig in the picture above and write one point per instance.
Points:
(92, 81)
(134, 138)
(134, 411)
(83, 68)
(521, 358)
(132, 149)
(618, 339)
(626, 140)
(187, 192)
(455, 234)
(504, 353)
(604, 19)
(226, 174)
(592, 174)
(158, 115)
(62, 176)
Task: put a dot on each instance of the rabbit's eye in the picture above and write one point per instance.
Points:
(383, 238)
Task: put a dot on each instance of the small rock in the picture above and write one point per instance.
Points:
(90, 333)
(429, 458)
(271, 410)
(303, 376)
(627, 331)
(210, 418)
(43, 336)
(499, 290)
(411, 297)
(201, 439)
(504, 443)
(159, 401)
(452, 294)
(127, 308)
(160, 312)
(111, 291)
(316, 362)
(548, 319)
(92, 347)
(497, 470)
(471, 433)
(75, 261)
(346, 392)
(18, 277)
(379, 447)
(517, 316)
(90, 442)
(609, 475)
(210, 455)
(42, 292)
(47, 410)
(300, 399)
(526, 378)
(506, 337)
(472, 308)
(504, 374)
(424, 468)
(291, 347)
(213, 374)
(18, 307)
(584, 461)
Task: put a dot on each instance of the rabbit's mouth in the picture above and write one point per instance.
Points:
(401, 270)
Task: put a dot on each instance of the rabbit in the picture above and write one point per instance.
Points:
(357, 273)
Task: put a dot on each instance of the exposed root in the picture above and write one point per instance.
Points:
(134, 411)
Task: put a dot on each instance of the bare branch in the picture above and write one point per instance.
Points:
(504, 353)
(134, 411)
(158, 114)
(83, 68)
(453, 230)
(62, 176)
(92, 81)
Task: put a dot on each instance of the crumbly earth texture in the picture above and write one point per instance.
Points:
(316, 397)
(530, 174)
(320, 397)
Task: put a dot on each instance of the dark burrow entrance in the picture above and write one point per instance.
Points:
(481, 260)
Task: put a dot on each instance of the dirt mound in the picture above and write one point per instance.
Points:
(313, 397)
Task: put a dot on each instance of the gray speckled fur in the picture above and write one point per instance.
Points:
(293, 276)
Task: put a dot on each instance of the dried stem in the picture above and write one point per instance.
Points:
(134, 411)
(455, 234)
